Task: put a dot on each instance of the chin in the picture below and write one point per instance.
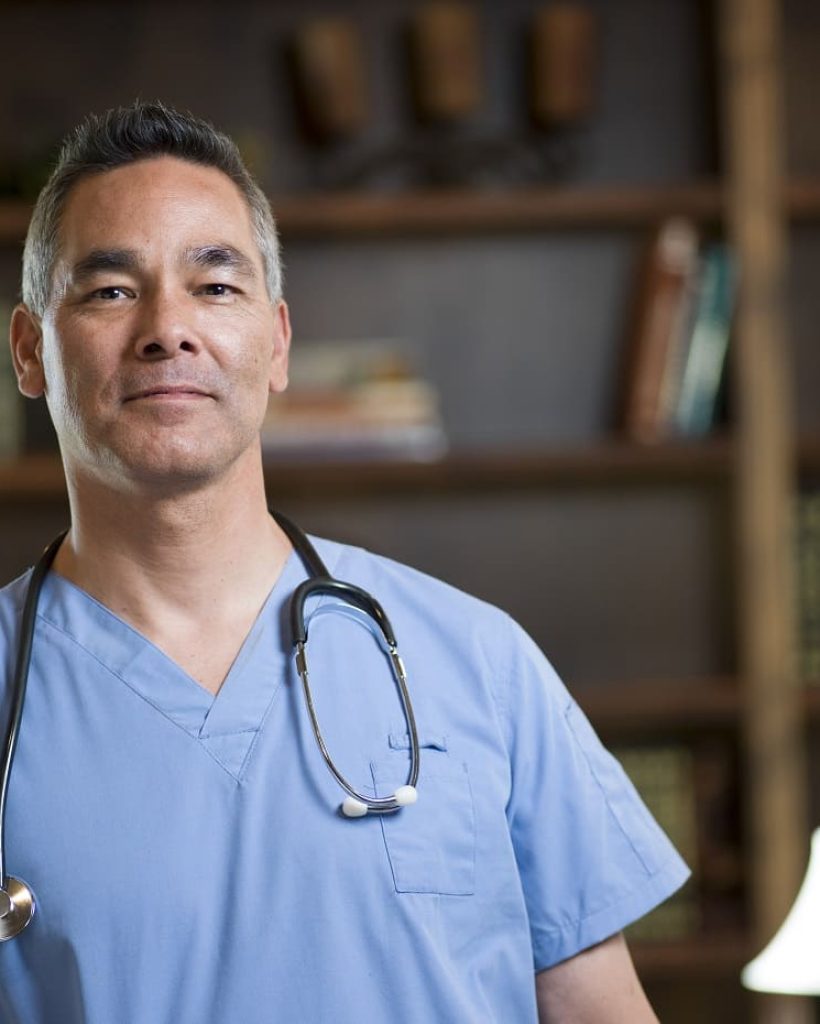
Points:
(167, 467)
(162, 458)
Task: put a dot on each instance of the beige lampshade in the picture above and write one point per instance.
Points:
(791, 962)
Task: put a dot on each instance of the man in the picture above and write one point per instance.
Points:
(168, 805)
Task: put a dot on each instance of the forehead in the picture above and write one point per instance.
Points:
(163, 204)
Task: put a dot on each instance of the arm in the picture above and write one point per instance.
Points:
(597, 986)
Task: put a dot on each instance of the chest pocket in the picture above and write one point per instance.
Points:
(431, 844)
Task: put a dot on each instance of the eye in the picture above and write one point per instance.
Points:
(218, 290)
(110, 293)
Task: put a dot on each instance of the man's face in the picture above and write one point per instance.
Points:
(160, 345)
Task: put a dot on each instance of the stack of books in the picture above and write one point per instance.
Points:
(679, 337)
(808, 584)
(354, 400)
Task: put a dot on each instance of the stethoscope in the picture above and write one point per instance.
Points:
(16, 898)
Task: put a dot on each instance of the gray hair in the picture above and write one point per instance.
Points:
(123, 136)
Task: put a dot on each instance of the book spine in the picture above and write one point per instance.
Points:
(708, 345)
(659, 326)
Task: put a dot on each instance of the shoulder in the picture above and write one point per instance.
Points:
(411, 593)
(450, 625)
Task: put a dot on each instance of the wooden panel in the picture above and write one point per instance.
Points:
(776, 779)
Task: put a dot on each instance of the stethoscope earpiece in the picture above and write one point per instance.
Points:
(403, 797)
(353, 808)
(16, 908)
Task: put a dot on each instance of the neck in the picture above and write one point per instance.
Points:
(212, 550)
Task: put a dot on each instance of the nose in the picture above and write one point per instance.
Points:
(166, 326)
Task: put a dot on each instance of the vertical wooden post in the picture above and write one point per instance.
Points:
(773, 727)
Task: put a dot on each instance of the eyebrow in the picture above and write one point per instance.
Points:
(212, 256)
(220, 256)
(104, 259)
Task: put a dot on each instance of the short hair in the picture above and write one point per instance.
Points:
(127, 135)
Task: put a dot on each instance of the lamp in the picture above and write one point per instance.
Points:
(790, 964)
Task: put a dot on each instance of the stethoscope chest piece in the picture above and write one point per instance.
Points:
(16, 908)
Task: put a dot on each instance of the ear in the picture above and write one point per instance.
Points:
(281, 347)
(26, 337)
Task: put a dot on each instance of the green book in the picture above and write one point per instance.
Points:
(664, 777)
(705, 358)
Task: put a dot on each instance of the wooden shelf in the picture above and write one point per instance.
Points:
(606, 463)
(713, 956)
(525, 209)
(461, 211)
(600, 464)
(677, 705)
(353, 214)
(645, 706)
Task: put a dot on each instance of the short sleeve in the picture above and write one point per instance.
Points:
(590, 856)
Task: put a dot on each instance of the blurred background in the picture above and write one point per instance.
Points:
(552, 269)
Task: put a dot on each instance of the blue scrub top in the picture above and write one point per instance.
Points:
(186, 853)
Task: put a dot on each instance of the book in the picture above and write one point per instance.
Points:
(664, 777)
(661, 322)
(807, 537)
(707, 342)
(718, 868)
(11, 402)
(354, 399)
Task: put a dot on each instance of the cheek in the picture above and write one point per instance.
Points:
(72, 379)
(251, 352)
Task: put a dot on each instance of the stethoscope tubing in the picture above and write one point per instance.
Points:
(17, 898)
(20, 683)
(323, 584)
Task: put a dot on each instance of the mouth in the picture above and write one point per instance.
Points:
(178, 392)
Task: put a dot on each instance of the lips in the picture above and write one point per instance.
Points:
(168, 391)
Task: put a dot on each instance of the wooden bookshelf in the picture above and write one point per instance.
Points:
(329, 215)
(756, 461)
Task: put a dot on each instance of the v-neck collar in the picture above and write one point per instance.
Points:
(225, 724)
